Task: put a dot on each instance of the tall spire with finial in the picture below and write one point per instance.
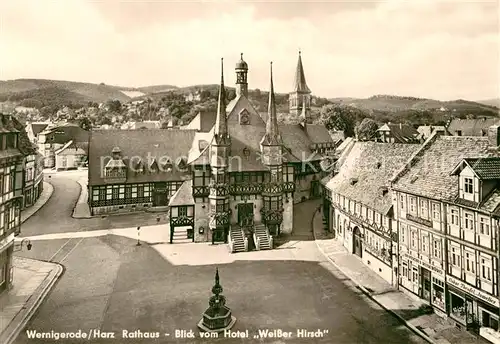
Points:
(221, 120)
(272, 135)
(300, 84)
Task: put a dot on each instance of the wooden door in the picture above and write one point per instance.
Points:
(245, 214)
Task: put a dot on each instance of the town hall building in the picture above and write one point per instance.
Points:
(235, 184)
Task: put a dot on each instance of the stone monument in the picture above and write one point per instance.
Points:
(217, 317)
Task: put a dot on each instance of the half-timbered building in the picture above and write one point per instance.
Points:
(235, 183)
(358, 203)
(11, 178)
(447, 202)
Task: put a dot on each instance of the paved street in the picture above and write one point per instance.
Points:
(55, 216)
(113, 285)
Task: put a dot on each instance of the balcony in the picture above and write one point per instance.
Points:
(219, 189)
(245, 189)
(201, 191)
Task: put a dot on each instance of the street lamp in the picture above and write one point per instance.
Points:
(28, 245)
(138, 236)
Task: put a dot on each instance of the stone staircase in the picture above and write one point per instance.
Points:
(263, 240)
(237, 240)
(180, 236)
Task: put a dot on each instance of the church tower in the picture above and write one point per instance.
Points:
(272, 157)
(241, 77)
(219, 218)
(300, 97)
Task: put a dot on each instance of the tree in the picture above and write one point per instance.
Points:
(114, 105)
(366, 130)
(84, 123)
(341, 117)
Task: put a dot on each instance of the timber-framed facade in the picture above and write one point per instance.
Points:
(235, 184)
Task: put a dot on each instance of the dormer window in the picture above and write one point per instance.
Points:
(167, 165)
(153, 165)
(468, 185)
(181, 163)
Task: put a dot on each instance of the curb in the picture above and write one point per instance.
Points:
(32, 306)
(413, 328)
(79, 201)
(45, 185)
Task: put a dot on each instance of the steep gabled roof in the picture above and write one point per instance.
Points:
(484, 168)
(366, 172)
(145, 145)
(401, 132)
(471, 127)
(183, 196)
(428, 172)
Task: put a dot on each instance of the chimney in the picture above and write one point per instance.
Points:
(494, 137)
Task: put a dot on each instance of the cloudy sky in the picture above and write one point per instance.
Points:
(435, 49)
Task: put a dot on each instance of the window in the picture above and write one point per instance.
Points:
(424, 209)
(469, 221)
(468, 185)
(485, 270)
(370, 215)
(413, 204)
(436, 249)
(484, 226)
(425, 243)
(413, 239)
(469, 262)
(402, 202)
(402, 238)
(115, 193)
(415, 275)
(6, 183)
(454, 217)
(436, 213)
(140, 191)
(182, 211)
(377, 218)
(455, 257)
(405, 270)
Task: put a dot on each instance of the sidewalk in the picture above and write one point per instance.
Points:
(33, 280)
(81, 210)
(431, 327)
(48, 189)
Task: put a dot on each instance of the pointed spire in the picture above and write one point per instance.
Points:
(272, 135)
(300, 84)
(221, 121)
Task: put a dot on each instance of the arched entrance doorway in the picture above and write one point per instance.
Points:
(358, 243)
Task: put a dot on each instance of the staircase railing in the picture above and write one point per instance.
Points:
(231, 244)
(257, 242)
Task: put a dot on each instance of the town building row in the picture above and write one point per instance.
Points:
(426, 218)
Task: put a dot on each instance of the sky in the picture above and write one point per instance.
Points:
(433, 49)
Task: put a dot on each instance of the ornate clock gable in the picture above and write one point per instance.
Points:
(239, 107)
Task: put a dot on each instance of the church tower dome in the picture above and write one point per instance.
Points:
(241, 77)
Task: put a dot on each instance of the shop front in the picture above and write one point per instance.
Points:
(425, 280)
(471, 307)
(5, 264)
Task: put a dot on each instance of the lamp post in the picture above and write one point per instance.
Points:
(138, 236)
